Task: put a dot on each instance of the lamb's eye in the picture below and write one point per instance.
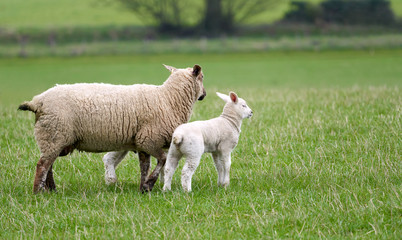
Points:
(244, 105)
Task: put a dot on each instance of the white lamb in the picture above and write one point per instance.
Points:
(218, 136)
(104, 117)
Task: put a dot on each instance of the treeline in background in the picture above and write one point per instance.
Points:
(160, 26)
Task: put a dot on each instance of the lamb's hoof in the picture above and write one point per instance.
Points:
(110, 180)
(187, 190)
(110, 176)
(224, 185)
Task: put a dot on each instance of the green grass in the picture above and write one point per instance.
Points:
(319, 159)
(16, 14)
(203, 45)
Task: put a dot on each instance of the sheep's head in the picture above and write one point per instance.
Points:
(196, 75)
(236, 105)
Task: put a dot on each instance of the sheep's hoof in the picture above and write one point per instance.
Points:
(44, 189)
(37, 191)
(50, 186)
(145, 188)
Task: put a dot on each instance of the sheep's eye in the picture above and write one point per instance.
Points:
(244, 105)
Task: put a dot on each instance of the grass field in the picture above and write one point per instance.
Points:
(319, 159)
(205, 46)
(15, 14)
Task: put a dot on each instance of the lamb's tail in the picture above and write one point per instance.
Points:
(28, 106)
(177, 139)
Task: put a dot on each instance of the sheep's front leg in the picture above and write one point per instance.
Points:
(151, 180)
(111, 160)
(145, 163)
(162, 175)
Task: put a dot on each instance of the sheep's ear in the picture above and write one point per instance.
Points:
(196, 70)
(224, 97)
(170, 68)
(233, 97)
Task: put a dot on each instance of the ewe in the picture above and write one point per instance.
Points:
(218, 136)
(104, 117)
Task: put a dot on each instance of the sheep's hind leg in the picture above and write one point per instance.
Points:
(44, 176)
(151, 180)
(54, 139)
(111, 160)
(145, 163)
(50, 180)
(49, 183)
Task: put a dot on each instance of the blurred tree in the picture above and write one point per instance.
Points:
(223, 16)
(348, 12)
(302, 11)
(367, 12)
(167, 15)
(209, 16)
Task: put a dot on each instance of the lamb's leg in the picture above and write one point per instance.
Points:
(111, 160)
(145, 163)
(219, 167)
(151, 180)
(226, 169)
(170, 167)
(189, 168)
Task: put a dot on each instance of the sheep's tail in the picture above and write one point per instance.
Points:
(28, 106)
(177, 139)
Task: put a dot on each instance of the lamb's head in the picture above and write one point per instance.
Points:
(194, 74)
(235, 105)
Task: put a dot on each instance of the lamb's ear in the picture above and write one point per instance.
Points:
(233, 97)
(170, 68)
(224, 97)
(196, 70)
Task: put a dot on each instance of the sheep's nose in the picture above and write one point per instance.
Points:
(201, 98)
(204, 94)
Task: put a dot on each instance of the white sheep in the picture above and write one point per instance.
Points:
(218, 136)
(104, 117)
